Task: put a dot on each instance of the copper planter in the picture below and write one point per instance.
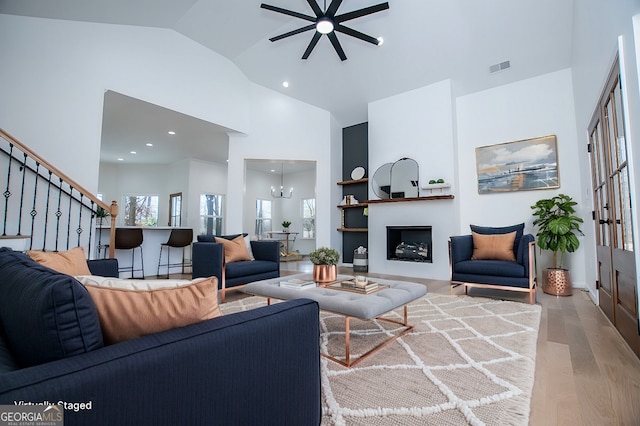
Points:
(557, 282)
(325, 273)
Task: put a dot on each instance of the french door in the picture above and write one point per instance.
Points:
(617, 290)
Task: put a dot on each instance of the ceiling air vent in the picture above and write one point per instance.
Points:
(500, 67)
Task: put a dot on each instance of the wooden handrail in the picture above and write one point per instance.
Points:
(112, 209)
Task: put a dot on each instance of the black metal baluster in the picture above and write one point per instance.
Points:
(91, 229)
(58, 214)
(7, 193)
(24, 174)
(69, 216)
(46, 211)
(34, 212)
(79, 230)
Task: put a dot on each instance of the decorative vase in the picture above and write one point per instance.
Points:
(285, 229)
(557, 282)
(325, 273)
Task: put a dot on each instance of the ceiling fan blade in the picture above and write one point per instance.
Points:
(362, 12)
(288, 12)
(312, 44)
(333, 8)
(356, 34)
(315, 7)
(294, 32)
(336, 45)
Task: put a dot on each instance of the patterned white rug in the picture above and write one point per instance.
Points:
(469, 360)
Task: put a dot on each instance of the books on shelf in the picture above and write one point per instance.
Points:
(297, 284)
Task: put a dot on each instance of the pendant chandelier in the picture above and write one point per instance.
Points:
(281, 193)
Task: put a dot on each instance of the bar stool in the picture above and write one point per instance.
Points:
(130, 239)
(179, 238)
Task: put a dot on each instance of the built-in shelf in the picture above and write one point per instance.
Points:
(351, 182)
(353, 229)
(403, 200)
(347, 206)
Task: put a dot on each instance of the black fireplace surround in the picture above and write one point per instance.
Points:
(409, 243)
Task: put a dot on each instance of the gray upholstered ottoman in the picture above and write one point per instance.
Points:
(349, 304)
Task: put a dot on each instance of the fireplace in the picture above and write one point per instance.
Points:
(409, 243)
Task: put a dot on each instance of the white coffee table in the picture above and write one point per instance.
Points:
(350, 304)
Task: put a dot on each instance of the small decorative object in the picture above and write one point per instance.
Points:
(361, 281)
(357, 173)
(557, 228)
(360, 260)
(285, 225)
(325, 267)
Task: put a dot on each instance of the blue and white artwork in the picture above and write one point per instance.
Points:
(518, 166)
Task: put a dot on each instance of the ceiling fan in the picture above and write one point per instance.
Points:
(327, 22)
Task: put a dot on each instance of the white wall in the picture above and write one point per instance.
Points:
(536, 107)
(417, 124)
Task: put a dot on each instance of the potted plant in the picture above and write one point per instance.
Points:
(325, 267)
(101, 214)
(558, 227)
(285, 225)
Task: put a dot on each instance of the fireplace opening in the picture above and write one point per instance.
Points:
(409, 243)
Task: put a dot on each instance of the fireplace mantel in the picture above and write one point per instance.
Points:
(402, 200)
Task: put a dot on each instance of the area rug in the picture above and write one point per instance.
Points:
(469, 360)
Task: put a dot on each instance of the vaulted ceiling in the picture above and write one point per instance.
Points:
(425, 41)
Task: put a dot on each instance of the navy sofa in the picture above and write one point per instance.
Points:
(255, 367)
(497, 274)
(208, 261)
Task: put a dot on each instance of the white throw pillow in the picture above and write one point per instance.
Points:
(129, 284)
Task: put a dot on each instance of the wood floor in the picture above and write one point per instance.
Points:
(585, 372)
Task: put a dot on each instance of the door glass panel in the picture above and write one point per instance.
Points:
(620, 141)
(615, 213)
(627, 233)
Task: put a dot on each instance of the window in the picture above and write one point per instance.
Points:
(175, 208)
(309, 218)
(210, 214)
(140, 210)
(263, 216)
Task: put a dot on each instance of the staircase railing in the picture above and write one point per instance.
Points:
(46, 207)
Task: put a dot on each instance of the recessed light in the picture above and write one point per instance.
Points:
(272, 171)
(171, 132)
(285, 84)
(149, 144)
(132, 152)
(380, 41)
(120, 159)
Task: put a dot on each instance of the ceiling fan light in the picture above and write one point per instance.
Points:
(324, 25)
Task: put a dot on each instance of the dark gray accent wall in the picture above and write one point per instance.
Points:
(355, 153)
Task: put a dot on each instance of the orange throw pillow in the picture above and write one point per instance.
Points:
(493, 246)
(126, 314)
(234, 250)
(72, 262)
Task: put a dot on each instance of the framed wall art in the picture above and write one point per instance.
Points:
(518, 166)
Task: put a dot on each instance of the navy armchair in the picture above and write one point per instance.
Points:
(516, 274)
(208, 261)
